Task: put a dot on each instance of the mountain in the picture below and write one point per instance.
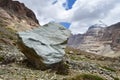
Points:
(75, 40)
(14, 17)
(14, 13)
(20, 32)
(26, 47)
(112, 34)
(99, 40)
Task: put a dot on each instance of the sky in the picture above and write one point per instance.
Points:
(77, 15)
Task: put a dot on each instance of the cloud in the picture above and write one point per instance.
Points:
(87, 13)
(47, 10)
(114, 15)
(81, 15)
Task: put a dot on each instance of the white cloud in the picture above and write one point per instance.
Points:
(47, 11)
(83, 13)
(114, 16)
(87, 13)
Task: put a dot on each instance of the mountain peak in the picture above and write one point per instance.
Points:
(96, 26)
(95, 30)
(99, 40)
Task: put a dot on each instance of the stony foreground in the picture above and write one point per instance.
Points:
(78, 64)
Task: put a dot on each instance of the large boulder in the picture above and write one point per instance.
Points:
(45, 45)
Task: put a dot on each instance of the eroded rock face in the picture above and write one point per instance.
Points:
(44, 45)
(112, 34)
(89, 41)
(99, 40)
(75, 40)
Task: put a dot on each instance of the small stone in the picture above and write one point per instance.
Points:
(71, 52)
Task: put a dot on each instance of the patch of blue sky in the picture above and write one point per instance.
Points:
(68, 4)
(65, 24)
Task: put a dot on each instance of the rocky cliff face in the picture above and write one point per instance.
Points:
(98, 40)
(94, 33)
(75, 40)
(112, 34)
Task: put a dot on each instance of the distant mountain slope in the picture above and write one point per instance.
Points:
(98, 40)
(112, 33)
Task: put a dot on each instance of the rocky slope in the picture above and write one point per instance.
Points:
(14, 65)
(98, 40)
(14, 17)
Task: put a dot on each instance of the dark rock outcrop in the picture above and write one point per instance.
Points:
(19, 9)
